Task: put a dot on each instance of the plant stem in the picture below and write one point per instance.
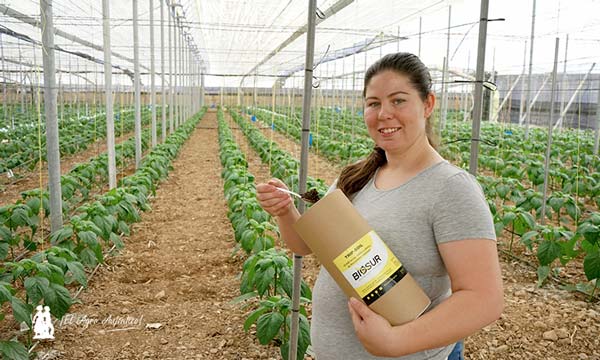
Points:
(512, 237)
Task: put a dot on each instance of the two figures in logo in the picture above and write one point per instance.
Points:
(42, 324)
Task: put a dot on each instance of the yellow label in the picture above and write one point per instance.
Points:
(367, 265)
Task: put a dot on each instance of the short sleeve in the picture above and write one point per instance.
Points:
(461, 211)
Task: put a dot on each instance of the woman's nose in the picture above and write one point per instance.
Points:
(385, 112)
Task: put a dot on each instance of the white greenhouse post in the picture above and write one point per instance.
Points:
(493, 80)
(522, 100)
(308, 69)
(550, 128)
(152, 70)
(188, 81)
(171, 53)
(5, 102)
(597, 127)
(136, 85)
(175, 70)
(187, 77)
(528, 113)
(110, 123)
(564, 82)
(183, 78)
(23, 77)
(163, 92)
(202, 88)
(181, 82)
(475, 129)
(53, 153)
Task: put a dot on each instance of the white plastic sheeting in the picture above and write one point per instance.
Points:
(233, 36)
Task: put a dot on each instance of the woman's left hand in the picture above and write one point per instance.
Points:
(372, 329)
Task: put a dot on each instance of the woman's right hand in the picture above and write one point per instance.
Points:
(273, 201)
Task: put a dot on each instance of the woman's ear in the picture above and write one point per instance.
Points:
(429, 104)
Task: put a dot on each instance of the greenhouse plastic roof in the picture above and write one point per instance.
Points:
(234, 36)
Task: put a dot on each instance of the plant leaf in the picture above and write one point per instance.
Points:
(548, 251)
(35, 287)
(21, 311)
(58, 299)
(268, 326)
(591, 265)
(13, 350)
(253, 317)
(76, 269)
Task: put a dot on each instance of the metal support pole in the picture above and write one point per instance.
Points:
(597, 127)
(175, 71)
(564, 82)
(181, 97)
(136, 85)
(110, 123)
(493, 80)
(163, 95)
(308, 69)
(180, 78)
(528, 113)
(202, 89)
(171, 54)
(483, 18)
(550, 128)
(53, 152)
(4, 100)
(523, 98)
(152, 70)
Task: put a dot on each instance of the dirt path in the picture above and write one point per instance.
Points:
(167, 296)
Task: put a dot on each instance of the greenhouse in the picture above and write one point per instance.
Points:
(142, 143)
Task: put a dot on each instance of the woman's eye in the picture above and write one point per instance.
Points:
(373, 104)
(398, 101)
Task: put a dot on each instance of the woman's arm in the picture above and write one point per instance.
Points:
(280, 205)
(476, 301)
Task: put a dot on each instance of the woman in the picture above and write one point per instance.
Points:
(431, 214)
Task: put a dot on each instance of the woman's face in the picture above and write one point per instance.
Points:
(395, 114)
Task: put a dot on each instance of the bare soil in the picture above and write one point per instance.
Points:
(168, 295)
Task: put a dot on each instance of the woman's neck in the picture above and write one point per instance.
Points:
(419, 157)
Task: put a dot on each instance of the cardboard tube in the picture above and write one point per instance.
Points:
(359, 262)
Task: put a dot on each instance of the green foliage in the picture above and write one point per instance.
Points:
(81, 242)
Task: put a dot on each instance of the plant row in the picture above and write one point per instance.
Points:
(282, 165)
(325, 139)
(267, 273)
(82, 243)
(26, 146)
(22, 218)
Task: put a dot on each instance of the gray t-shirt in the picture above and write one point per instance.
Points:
(441, 204)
